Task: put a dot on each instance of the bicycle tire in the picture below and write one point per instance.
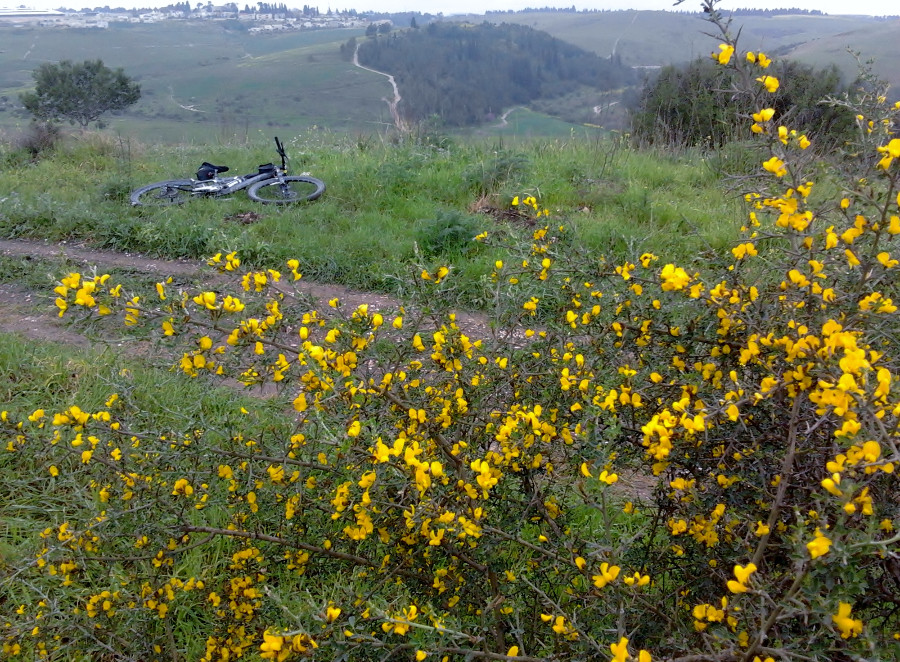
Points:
(289, 190)
(162, 194)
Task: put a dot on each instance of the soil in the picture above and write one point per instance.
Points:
(33, 315)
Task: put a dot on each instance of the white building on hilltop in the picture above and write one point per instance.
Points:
(23, 14)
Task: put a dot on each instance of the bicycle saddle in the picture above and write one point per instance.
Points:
(209, 171)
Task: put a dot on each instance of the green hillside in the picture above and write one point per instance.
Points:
(200, 80)
(464, 73)
(656, 38)
(878, 42)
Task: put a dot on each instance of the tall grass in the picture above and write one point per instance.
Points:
(363, 231)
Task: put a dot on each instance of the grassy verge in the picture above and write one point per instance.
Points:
(380, 206)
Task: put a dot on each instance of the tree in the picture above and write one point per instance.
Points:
(698, 104)
(79, 92)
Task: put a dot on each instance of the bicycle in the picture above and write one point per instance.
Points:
(270, 184)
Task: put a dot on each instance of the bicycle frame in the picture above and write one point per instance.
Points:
(219, 186)
(270, 185)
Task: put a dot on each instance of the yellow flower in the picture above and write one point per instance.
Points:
(182, 486)
(331, 613)
(607, 574)
(891, 151)
(620, 650)
(272, 644)
(819, 545)
(769, 82)
(353, 430)
(674, 278)
(608, 478)
(775, 166)
(849, 627)
(724, 54)
(206, 299)
(742, 250)
(892, 148)
(764, 115)
(742, 575)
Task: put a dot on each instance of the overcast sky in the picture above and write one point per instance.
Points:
(872, 7)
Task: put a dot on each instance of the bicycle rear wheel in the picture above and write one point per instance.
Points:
(160, 194)
(290, 189)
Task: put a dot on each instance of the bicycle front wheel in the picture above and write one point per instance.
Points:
(289, 190)
(160, 194)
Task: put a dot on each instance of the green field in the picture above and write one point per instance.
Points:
(200, 81)
(542, 394)
(652, 39)
(203, 82)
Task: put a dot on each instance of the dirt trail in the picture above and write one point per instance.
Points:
(392, 103)
(502, 122)
(32, 314)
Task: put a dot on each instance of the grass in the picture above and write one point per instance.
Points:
(204, 83)
(200, 80)
(653, 38)
(388, 208)
(38, 375)
(362, 232)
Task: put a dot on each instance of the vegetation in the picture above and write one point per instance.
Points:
(465, 74)
(363, 233)
(232, 87)
(79, 92)
(633, 440)
(702, 104)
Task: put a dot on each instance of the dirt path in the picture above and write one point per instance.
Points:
(502, 122)
(32, 314)
(392, 103)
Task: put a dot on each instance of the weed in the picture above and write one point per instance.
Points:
(449, 233)
(503, 168)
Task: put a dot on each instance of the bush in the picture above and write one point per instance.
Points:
(450, 232)
(79, 92)
(38, 138)
(702, 104)
(503, 168)
(676, 463)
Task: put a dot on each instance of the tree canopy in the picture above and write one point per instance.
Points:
(464, 73)
(79, 92)
(700, 104)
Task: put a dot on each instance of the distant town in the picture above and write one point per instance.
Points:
(263, 17)
(268, 17)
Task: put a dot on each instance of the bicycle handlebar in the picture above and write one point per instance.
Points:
(279, 146)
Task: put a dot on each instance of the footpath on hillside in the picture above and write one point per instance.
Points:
(392, 103)
(33, 313)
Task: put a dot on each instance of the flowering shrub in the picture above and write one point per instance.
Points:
(640, 461)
